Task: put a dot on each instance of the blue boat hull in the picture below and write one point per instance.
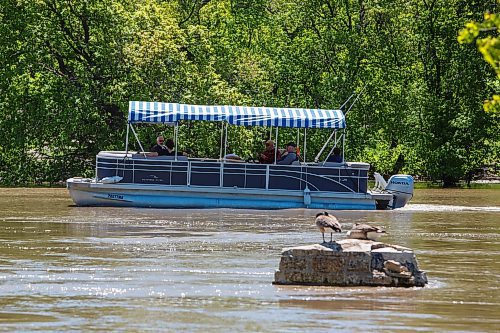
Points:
(90, 193)
(132, 180)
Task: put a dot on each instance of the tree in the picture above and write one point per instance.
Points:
(489, 46)
(69, 68)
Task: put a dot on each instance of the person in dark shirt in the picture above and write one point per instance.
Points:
(267, 157)
(164, 148)
(170, 147)
(159, 149)
(290, 155)
(336, 157)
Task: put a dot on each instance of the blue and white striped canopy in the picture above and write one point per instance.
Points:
(155, 112)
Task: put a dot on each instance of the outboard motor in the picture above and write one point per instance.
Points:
(401, 188)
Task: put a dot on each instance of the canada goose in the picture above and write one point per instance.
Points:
(327, 222)
(365, 231)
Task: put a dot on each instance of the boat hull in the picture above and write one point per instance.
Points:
(87, 192)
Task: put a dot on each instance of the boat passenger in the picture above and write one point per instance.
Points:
(159, 149)
(336, 157)
(290, 155)
(267, 157)
(171, 148)
(164, 148)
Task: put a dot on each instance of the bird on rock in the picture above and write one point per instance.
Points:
(327, 223)
(365, 231)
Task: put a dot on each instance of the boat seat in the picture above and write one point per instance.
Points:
(332, 164)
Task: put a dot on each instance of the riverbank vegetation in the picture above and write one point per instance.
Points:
(69, 68)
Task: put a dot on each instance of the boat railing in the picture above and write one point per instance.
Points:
(145, 156)
(343, 177)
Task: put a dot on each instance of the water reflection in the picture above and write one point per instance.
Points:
(69, 268)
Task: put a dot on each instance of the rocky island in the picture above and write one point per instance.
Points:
(350, 262)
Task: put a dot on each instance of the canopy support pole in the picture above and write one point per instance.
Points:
(225, 141)
(276, 146)
(176, 137)
(126, 139)
(355, 100)
(343, 146)
(354, 93)
(298, 137)
(138, 141)
(221, 138)
(316, 159)
(305, 144)
(335, 143)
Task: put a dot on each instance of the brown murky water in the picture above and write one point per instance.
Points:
(65, 268)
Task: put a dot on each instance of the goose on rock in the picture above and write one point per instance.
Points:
(327, 223)
(365, 231)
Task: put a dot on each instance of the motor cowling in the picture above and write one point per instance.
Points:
(401, 188)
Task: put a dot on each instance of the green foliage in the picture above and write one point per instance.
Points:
(488, 45)
(69, 68)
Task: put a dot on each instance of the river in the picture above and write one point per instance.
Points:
(67, 268)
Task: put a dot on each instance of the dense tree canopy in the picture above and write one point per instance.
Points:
(489, 46)
(68, 69)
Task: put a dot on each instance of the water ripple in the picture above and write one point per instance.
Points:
(447, 208)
